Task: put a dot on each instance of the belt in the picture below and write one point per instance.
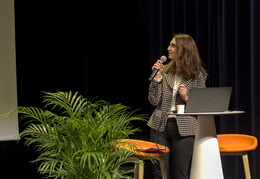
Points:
(171, 119)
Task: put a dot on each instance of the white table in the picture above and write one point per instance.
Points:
(206, 161)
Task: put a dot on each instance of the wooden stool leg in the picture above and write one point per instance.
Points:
(246, 165)
(139, 167)
(163, 167)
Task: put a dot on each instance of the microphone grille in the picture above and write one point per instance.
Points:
(163, 59)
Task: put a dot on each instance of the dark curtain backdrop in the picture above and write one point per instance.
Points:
(226, 33)
(106, 49)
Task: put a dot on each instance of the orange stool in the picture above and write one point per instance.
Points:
(144, 150)
(238, 144)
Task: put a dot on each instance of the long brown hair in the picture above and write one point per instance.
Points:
(190, 64)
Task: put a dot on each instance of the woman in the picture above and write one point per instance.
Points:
(170, 87)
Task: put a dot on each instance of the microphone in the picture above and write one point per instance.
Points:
(163, 59)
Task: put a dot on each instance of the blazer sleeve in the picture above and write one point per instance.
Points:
(202, 81)
(155, 94)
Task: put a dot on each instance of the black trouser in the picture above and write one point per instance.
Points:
(178, 161)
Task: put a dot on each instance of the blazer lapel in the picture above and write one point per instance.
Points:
(169, 77)
(186, 82)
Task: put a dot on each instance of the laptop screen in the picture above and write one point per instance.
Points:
(212, 99)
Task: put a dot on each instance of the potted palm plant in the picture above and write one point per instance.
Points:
(76, 137)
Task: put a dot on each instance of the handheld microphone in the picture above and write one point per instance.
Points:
(163, 59)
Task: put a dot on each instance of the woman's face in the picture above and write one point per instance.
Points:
(172, 50)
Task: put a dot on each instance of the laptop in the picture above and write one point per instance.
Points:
(211, 99)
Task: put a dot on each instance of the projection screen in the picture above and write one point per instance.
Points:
(9, 128)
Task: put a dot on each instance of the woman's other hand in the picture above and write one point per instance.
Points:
(183, 92)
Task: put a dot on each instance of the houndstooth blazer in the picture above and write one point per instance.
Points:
(160, 95)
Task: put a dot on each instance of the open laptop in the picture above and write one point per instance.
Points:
(211, 99)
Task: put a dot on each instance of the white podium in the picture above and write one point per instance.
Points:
(206, 161)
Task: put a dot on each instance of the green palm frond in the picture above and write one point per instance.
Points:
(76, 137)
